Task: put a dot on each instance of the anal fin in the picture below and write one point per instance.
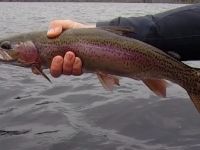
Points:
(158, 86)
(108, 81)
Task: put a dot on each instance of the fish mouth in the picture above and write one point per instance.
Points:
(5, 56)
(11, 57)
(18, 53)
(5, 51)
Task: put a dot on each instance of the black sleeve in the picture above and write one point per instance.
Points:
(172, 31)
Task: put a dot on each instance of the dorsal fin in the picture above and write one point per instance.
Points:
(174, 54)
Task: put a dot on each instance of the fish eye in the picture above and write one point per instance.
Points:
(6, 45)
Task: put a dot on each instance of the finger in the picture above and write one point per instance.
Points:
(57, 26)
(69, 59)
(77, 67)
(56, 66)
(54, 31)
(66, 24)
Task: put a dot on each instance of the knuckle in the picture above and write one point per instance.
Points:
(71, 53)
(54, 21)
(69, 58)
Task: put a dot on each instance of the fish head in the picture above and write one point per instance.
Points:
(21, 53)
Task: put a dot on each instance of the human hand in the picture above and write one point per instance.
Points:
(70, 64)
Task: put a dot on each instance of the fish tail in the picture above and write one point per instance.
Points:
(192, 86)
(196, 100)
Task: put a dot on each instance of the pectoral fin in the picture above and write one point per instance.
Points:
(108, 81)
(157, 86)
(37, 70)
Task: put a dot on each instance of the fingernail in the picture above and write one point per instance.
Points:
(55, 29)
(58, 60)
(50, 30)
(69, 56)
(76, 63)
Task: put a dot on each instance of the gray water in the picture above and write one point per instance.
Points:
(76, 113)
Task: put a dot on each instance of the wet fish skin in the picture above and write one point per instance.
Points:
(107, 53)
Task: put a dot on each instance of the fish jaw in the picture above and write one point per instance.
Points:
(5, 56)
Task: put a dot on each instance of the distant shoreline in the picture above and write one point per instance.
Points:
(113, 1)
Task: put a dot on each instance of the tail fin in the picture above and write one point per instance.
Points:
(193, 88)
(196, 100)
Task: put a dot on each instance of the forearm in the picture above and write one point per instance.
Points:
(141, 25)
(176, 30)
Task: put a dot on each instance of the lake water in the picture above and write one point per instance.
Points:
(76, 113)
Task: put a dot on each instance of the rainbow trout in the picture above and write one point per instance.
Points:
(108, 55)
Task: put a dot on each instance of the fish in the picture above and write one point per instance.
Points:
(107, 53)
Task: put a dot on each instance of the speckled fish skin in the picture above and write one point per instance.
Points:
(111, 53)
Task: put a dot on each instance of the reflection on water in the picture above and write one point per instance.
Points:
(76, 112)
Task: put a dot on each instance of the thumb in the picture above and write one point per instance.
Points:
(54, 31)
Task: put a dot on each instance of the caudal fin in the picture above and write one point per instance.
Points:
(192, 86)
(196, 100)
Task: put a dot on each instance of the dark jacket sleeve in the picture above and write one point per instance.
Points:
(172, 31)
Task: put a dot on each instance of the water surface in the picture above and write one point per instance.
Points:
(76, 113)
